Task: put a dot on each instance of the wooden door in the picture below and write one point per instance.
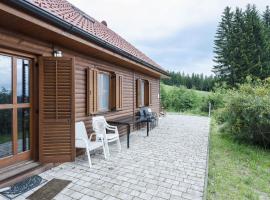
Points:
(15, 109)
(57, 121)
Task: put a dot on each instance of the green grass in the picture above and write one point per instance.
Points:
(4, 138)
(201, 93)
(237, 171)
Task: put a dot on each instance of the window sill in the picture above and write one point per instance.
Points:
(105, 112)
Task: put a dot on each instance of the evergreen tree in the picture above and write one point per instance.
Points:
(222, 69)
(256, 45)
(195, 81)
(242, 45)
(237, 48)
(266, 17)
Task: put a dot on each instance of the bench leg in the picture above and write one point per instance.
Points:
(128, 133)
(147, 128)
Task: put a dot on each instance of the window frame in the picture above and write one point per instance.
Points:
(143, 98)
(98, 90)
(92, 91)
(14, 105)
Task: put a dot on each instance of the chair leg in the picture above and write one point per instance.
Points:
(107, 149)
(89, 159)
(104, 151)
(119, 144)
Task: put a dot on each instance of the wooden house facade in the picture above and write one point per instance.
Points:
(58, 66)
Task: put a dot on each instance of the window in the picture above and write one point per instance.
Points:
(14, 112)
(103, 91)
(143, 93)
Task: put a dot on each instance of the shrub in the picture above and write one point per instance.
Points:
(179, 99)
(248, 113)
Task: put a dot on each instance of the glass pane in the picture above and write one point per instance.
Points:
(23, 129)
(23, 81)
(5, 79)
(103, 92)
(5, 133)
(142, 93)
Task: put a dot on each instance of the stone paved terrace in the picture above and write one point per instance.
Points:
(169, 164)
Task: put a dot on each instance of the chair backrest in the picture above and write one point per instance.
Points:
(99, 125)
(146, 111)
(80, 131)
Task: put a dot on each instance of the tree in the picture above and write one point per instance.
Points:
(242, 45)
(195, 81)
(222, 43)
(266, 17)
(255, 45)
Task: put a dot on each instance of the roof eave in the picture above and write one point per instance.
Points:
(77, 31)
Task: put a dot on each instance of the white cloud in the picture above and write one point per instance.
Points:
(139, 20)
(152, 25)
(198, 66)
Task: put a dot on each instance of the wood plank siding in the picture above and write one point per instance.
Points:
(11, 41)
(129, 90)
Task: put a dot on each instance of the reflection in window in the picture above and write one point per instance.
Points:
(103, 92)
(5, 79)
(23, 81)
(5, 133)
(142, 93)
(23, 129)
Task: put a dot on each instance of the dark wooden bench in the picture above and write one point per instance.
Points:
(130, 121)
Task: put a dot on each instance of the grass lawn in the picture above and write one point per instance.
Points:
(201, 93)
(237, 171)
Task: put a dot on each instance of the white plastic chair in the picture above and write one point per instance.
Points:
(100, 126)
(82, 141)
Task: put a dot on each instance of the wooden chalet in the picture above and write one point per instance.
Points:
(58, 65)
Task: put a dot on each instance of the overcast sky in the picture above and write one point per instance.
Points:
(177, 34)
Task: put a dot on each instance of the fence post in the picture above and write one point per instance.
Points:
(209, 112)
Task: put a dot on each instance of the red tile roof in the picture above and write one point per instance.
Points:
(66, 11)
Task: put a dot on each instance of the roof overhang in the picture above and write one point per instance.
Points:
(24, 17)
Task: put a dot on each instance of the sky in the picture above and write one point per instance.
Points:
(177, 34)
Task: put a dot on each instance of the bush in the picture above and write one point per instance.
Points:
(179, 99)
(247, 113)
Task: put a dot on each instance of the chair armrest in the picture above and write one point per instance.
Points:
(90, 138)
(111, 128)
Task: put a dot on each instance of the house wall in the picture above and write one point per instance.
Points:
(17, 42)
(129, 90)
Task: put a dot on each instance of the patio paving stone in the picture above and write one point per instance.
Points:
(169, 164)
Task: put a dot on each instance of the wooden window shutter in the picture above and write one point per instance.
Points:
(57, 110)
(146, 93)
(113, 92)
(116, 92)
(138, 93)
(92, 88)
(119, 92)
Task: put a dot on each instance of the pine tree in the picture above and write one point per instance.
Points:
(255, 45)
(237, 53)
(242, 45)
(266, 22)
(266, 17)
(222, 43)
